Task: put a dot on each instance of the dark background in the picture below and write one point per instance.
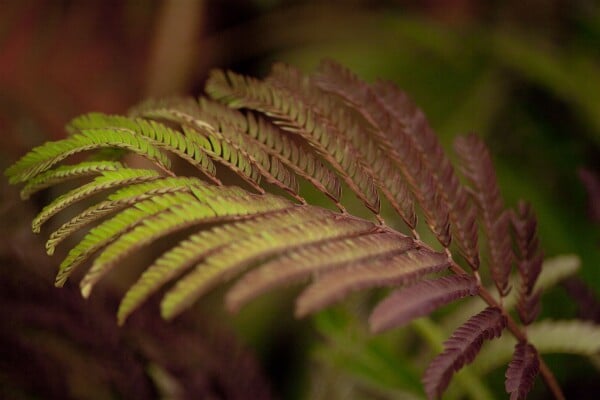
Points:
(523, 74)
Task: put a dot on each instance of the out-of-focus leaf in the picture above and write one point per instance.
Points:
(371, 360)
(572, 337)
(554, 270)
(572, 78)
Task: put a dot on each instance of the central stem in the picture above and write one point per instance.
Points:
(514, 328)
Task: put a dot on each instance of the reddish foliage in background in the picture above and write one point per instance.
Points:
(58, 59)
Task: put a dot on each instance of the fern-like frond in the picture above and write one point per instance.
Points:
(269, 162)
(232, 259)
(49, 154)
(199, 131)
(522, 370)
(476, 165)
(397, 134)
(389, 270)
(65, 173)
(293, 115)
(158, 134)
(108, 180)
(294, 154)
(326, 128)
(553, 272)
(462, 212)
(270, 167)
(404, 136)
(122, 198)
(529, 262)
(355, 136)
(430, 176)
(314, 260)
(111, 229)
(462, 348)
(335, 78)
(210, 206)
(224, 152)
(420, 299)
(192, 250)
(246, 150)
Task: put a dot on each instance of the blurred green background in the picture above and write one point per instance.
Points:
(523, 74)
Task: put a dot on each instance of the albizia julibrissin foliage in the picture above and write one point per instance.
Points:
(330, 130)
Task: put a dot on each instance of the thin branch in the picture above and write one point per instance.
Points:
(520, 335)
(513, 327)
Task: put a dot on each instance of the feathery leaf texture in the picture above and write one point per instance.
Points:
(450, 195)
(233, 258)
(351, 134)
(328, 128)
(553, 272)
(272, 142)
(158, 134)
(462, 348)
(228, 130)
(401, 131)
(191, 251)
(119, 200)
(108, 180)
(398, 268)
(205, 207)
(65, 173)
(522, 370)
(44, 157)
(313, 260)
(109, 230)
(293, 113)
(420, 299)
(476, 165)
(295, 155)
(529, 262)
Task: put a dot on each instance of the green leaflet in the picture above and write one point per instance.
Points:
(313, 259)
(293, 115)
(277, 144)
(232, 259)
(270, 167)
(246, 150)
(199, 124)
(65, 173)
(185, 147)
(107, 180)
(45, 156)
(221, 148)
(119, 200)
(548, 337)
(224, 152)
(232, 125)
(190, 251)
(111, 229)
(372, 361)
(294, 155)
(221, 133)
(211, 206)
